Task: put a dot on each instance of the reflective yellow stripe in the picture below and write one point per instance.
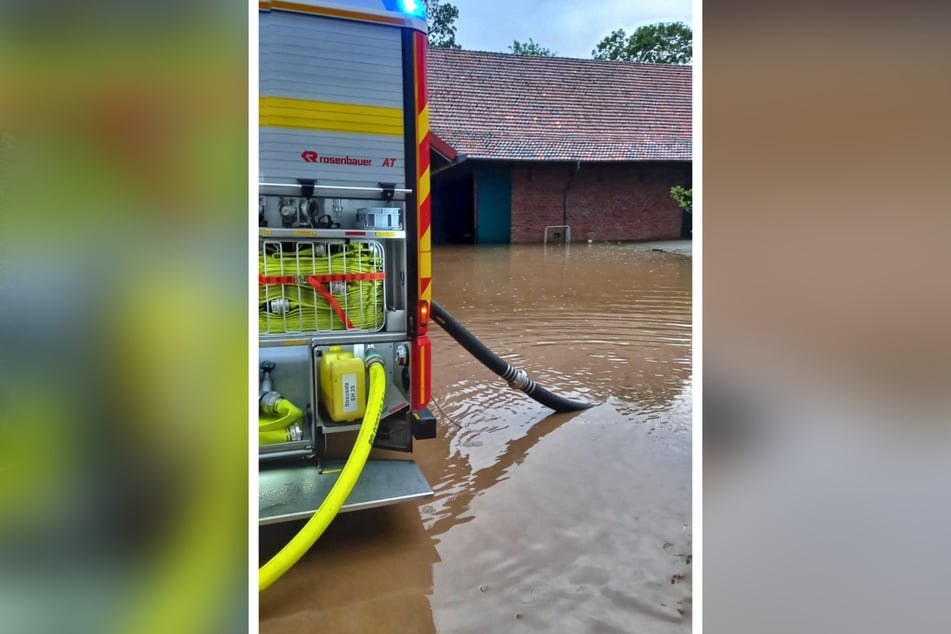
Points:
(303, 114)
(425, 244)
(422, 126)
(424, 185)
(425, 265)
(288, 342)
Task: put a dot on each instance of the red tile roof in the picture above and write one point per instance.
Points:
(501, 106)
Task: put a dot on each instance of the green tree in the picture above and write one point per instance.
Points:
(683, 197)
(531, 48)
(441, 17)
(661, 43)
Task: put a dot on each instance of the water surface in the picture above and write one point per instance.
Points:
(541, 522)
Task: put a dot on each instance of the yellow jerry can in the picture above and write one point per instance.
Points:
(343, 385)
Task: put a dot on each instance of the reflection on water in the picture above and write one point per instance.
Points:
(540, 522)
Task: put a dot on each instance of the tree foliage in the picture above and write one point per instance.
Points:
(531, 48)
(661, 43)
(683, 197)
(441, 17)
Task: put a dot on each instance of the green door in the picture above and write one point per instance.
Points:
(493, 205)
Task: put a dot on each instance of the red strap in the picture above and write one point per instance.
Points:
(331, 277)
(331, 300)
(277, 279)
(317, 282)
(347, 277)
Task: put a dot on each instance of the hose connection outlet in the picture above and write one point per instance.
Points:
(266, 383)
(371, 357)
(268, 402)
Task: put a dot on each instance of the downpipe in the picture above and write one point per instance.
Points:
(564, 194)
(515, 377)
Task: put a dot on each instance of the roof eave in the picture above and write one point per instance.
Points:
(442, 148)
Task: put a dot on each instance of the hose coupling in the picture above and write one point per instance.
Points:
(275, 436)
(280, 306)
(295, 432)
(371, 357)
(520, 380)
(268, 402)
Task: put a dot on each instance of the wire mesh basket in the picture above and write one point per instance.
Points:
(320, 286)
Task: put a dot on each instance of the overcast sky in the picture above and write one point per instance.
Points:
(571, 28)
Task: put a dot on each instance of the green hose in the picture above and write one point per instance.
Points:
(318, 523)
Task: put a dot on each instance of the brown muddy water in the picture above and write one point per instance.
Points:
(540, 522)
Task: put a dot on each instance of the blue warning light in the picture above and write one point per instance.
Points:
(415, 8)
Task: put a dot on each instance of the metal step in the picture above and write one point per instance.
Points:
(291, 493)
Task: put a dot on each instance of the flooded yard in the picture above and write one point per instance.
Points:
(540, 522)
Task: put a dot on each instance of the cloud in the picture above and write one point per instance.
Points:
(570, 27)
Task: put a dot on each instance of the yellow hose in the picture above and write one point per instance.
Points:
(273, 437)
(308, 310)
(288, 413)
(318, 523)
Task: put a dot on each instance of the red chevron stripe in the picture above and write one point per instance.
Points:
(423, 152)
(421, 88)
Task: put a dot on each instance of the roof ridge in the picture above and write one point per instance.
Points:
(458, 51)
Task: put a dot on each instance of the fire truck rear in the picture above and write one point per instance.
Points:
(344, 265)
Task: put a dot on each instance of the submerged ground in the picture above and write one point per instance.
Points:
(569, 522)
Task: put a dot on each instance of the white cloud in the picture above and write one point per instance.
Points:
(570, 27)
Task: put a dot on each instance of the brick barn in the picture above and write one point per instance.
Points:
(520, 143)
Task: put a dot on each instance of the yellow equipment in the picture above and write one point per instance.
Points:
(342, 384)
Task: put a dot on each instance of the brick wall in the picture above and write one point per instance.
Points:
(628, 201)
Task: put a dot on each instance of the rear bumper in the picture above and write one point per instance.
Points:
(295, 492)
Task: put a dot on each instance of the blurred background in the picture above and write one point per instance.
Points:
(123, 320)
(825, 312)
(123, 316)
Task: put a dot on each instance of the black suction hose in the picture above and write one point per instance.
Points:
(516, 378)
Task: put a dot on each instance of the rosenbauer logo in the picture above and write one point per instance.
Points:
(312, 157)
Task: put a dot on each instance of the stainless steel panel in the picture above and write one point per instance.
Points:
(280, 157)
(326, 59)
(291, 493)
